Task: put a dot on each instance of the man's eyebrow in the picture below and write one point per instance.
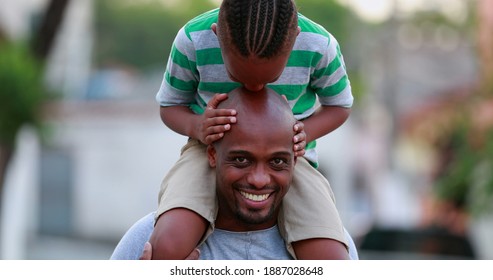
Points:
(239, 152)
(246, 153)
(282, 153)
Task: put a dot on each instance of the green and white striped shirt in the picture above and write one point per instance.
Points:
(315, 73)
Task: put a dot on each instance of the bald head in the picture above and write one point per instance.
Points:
(264, 111)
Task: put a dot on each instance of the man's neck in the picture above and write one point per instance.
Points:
(237, 225)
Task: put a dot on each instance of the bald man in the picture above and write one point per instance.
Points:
(254, 165)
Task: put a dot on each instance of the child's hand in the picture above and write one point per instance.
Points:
(215, 122)
(147, 253)
(299, 139)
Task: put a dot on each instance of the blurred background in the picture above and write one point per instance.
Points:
(83, 150)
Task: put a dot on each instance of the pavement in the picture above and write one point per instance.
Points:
(64, 248)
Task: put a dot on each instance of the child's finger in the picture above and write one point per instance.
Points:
(213, 137)
(194, 255)
(147, 252)
(216, 99)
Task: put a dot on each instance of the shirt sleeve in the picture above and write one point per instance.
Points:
(132, 243)
(180, 81)
(330, 79)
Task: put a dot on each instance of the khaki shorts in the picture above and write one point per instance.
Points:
(308, 209)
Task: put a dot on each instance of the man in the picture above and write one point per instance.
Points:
(254, 164)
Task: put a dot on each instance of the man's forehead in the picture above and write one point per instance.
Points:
(250, 151)
(263, 118)
(264, 142)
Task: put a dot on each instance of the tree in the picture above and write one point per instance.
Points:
(22, 92)
(465, 146)
(139, 35)
(43, 39)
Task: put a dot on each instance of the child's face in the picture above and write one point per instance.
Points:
(252, 72)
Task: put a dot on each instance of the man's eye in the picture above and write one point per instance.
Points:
(279, 162)
(241, 160)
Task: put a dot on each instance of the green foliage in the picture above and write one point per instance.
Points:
(465, 177)
(21, 91)
(342, 23)
(140, 34)
(335, 18)
(454, 179)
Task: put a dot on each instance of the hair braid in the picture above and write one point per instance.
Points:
(260, 36)
(237, 18)
(253, 23)
(281, 22)
(258, 27)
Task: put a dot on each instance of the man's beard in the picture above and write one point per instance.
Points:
(254, 218)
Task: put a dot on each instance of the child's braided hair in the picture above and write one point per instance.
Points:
(258, 27)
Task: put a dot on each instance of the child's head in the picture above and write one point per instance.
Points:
(256, 38)
(260, 28)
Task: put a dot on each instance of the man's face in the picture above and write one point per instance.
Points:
(254, 167)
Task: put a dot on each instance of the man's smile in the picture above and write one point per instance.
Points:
(255, 197)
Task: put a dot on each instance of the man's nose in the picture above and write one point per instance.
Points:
(259, 177)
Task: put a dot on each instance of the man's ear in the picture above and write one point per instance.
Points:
(211, 155)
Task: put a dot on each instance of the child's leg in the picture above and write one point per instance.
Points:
(310, 221)
(320, 249)
(186, 204)
(176, 233)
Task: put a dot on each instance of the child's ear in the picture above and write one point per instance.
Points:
(214, 28)
(211, 155)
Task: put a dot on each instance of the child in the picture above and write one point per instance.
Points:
(252, 44)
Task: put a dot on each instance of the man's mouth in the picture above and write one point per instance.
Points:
(254, 197)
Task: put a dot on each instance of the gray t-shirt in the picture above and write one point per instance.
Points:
(254, 245)
(220, 245)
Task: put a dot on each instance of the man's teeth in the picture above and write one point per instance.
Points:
(255, 197)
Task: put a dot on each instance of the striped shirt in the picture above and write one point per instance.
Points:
(315, 72)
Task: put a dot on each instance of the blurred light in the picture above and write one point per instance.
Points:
(410, 36)
(372, 11)
(454, 10)
(407, 7)
(447, 38)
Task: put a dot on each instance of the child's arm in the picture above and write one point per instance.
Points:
(208, 127)
(325, 120)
